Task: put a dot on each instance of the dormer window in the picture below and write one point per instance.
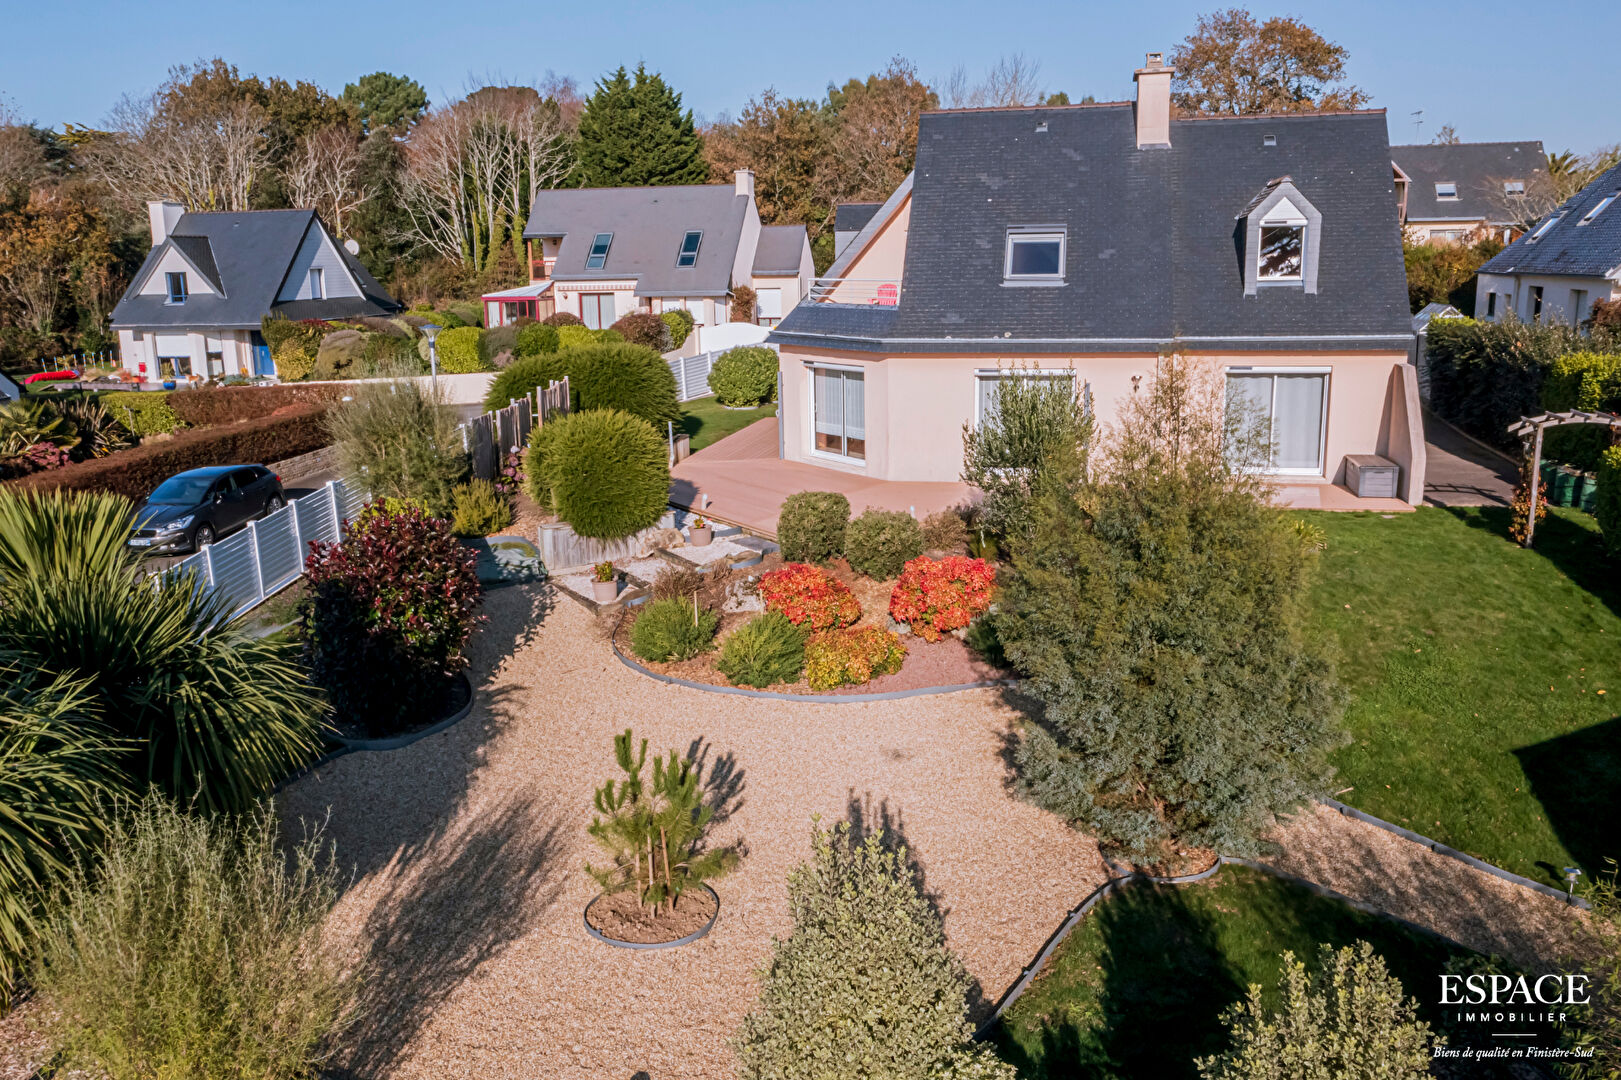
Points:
(1446, 189)
(688, 255)
(1035, 256)
(599, 251)
(176, 282)
(1603, 203)
(1281, 236)
(1514, 189)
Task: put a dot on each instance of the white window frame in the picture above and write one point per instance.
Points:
(601, 261)
(681, 251)
(1322, 423)
(317, 283)
(981, 374)
(811, 368)
(1261, 276)
(596, 299)
(1514, 189)
(1599, 208)
(1450, 195)
(1541, 230)
(169, 279)
(1035, 234)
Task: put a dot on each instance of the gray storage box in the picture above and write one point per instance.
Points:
(1370, 476)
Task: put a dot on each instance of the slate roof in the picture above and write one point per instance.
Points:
(853, 216)
(245, 257)
(1569, 247)
(1478, 169)
(648, 224)
(780, 249)
(1154, 255)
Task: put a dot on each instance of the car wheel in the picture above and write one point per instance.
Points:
(203, 537)
(272, 504)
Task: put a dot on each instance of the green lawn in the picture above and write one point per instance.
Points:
(1138, 988)
(1485, 682)
(708, 421)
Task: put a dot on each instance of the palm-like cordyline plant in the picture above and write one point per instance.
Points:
(56, 775)
(220, 716)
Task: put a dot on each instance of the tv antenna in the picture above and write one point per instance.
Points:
(1418, 122)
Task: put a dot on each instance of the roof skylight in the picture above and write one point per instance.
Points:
(688, 255)
(599, 251)
(1599, 208)
(1544, 227)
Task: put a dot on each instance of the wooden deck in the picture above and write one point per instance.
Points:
(746, 483)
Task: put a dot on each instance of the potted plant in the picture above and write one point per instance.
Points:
(604, 583)
(700, 532)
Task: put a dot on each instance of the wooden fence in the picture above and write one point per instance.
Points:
(491, 437)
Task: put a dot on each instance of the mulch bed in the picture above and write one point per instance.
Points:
(947, 662)
(450, 699)
(623, 917)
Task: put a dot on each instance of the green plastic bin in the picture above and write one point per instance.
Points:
(1563, 490)
(1586, 491)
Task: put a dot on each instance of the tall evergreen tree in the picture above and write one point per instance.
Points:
(634, 132)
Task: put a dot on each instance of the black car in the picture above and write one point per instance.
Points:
(191, 510)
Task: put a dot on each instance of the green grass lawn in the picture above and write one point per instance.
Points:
(1138, 988)
(1485, 681)
(708, 421)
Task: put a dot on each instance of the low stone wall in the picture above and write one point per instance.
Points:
(310, 464)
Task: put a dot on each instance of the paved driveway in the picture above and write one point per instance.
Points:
(1461, 472)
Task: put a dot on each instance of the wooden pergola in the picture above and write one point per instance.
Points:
(1530, 431)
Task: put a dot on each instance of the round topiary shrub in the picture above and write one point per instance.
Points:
(605, 472)
(563, 318)
(459, 351)
(645, 328)
(680, 322)
(746, 375)
(673, 629)
(880, 542)
(536, 338)
(767, 649)
(523, 376)
(632, 378)
(811, 525)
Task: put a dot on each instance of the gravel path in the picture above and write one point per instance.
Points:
(467, 849)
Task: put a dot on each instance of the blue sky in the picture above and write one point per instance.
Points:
(1489, 68)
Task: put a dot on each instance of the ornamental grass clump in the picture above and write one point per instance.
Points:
(766, 650)
(387, 616)
(810, 597)
(852, 656)
(673, 629)
(653, 833)
(865, 987)
(400, 436)
(936, 597)
(194, 948)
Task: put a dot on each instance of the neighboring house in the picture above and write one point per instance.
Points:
(1568, 261)
(1446, 192)
(194, 307)
(9, 391)
(848, 220)
(601, 253)
(1083, 242)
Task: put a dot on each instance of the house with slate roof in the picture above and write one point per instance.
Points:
(601, 253)
(1447, 193)
(1084, 242)
(1568, 261)
(194, 308)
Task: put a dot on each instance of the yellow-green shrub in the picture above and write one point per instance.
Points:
(479, 510)
(851, 656)
(459, 351)
(1607, 503)
(142, 413)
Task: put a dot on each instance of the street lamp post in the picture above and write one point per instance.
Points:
(430, 331)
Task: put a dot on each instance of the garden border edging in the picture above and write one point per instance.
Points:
(644, 945)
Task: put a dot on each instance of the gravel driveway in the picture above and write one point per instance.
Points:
(467, 850)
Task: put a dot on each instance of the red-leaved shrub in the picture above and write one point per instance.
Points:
(388, 613)
(938, 596)
(809, 595)
(851, 656)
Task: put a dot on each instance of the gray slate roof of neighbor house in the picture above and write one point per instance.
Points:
(1569, 247)
(245, 256)
(853, 216)
(1478, 170)
(648, 224)
(1154, 254)
(780, 249)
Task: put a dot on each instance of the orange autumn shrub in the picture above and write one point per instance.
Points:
(937, 596)
(809, 596)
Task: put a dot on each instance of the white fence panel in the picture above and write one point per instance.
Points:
(692, 373)
(236, 571)
(281, 556)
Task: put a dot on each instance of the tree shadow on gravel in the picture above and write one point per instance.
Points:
(868, 817)
(447, 911)
(499, 639)
(723, 779)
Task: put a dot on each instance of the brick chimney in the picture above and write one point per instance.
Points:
(163, 217)
(745, 182)
(1154, 103)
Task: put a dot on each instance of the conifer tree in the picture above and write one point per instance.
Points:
(633, 132)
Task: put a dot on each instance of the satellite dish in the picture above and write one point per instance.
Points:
(351, 247)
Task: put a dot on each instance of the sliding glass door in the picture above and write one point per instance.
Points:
(1294, 407)
(839, 406)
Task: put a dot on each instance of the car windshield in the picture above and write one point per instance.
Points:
(182, 490)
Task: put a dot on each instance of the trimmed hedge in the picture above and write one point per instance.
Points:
(535, 339)
(523, 376)
(811, 526)
(880, 542)
(1486, 376)
(1581, 380)
(605, 472)
(134, 473)
(340, 355)
(633, 378)
(211, 406)
(143, 413)
(459, 351)
(746, 375)
(581, 336)
(562, 318)
(1607, 503)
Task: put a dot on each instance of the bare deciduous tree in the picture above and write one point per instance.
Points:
(22, 159)
(324, 175)
(1012, 80)
(207, 158)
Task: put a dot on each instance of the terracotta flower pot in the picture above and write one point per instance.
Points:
(700, 537)
(605, 592)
